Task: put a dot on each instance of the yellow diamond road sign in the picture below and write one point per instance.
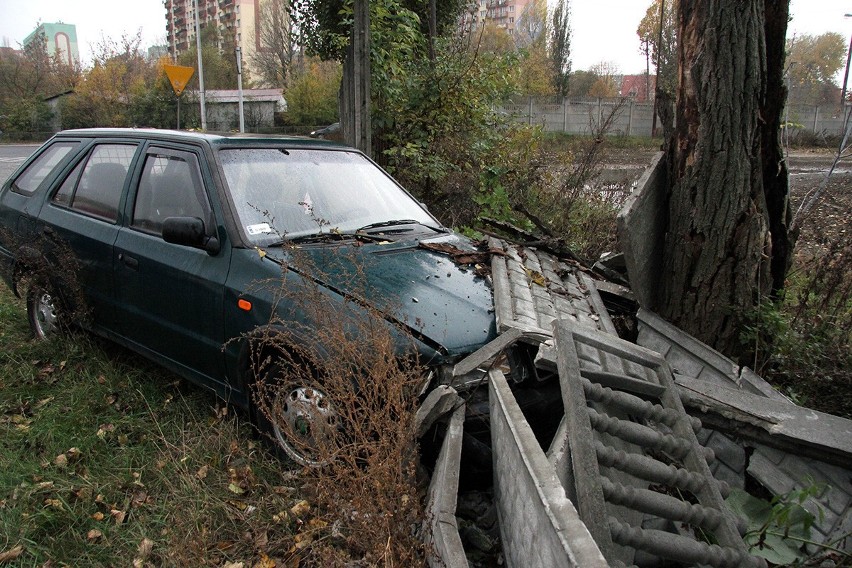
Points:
(179, 76)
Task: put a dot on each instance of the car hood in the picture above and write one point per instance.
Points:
(445, 304)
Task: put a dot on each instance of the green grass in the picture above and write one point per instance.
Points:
(106, 459)
(573, 142)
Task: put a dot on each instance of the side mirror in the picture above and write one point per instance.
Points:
(189, 231)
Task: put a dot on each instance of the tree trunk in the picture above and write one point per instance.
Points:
(728, 184)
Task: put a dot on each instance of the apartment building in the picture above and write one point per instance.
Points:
(236, 21)
(60, 39)
(503, 13)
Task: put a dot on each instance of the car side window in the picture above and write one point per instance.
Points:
(41, 167)
(170, 186)
(95, 186)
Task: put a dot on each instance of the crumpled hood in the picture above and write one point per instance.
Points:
(427, 291)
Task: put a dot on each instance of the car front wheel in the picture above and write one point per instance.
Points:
(44, 312)
(298, 414)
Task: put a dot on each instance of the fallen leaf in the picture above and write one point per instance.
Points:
(202, 472)
(60, 461)
(84, 493)
(281, 517)
(536, 277)
(140, 498)
(317, 524)
(303, 540)
(98, 516)
(101, 379)
(145, 548)
(264, 562)
(94, 534)
(300, 509)
(118, 516)
(234, 565)
(11, 554)
(73, 454)
(234, 488)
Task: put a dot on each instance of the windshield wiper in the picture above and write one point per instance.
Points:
(395, 223)
(325, 237)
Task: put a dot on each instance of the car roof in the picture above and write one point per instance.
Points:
(213, 139)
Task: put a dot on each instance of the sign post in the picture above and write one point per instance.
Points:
(179, 76)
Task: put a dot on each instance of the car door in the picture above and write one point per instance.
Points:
(79, 225)
(169, 296)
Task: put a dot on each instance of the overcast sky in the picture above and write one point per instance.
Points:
(602, 30)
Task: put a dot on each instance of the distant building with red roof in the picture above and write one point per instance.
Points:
(640, 88)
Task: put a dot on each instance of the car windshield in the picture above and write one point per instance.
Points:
(292, 193)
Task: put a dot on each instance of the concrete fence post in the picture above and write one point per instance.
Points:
(630, 119)
(564, 114)
(600, 111)
(529, 110)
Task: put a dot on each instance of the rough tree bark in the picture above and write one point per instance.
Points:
(727, 244)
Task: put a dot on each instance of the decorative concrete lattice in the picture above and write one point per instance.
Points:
(616, 490)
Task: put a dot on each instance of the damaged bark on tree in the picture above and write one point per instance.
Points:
(727, 245)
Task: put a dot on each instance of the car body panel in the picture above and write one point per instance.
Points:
(186, 308)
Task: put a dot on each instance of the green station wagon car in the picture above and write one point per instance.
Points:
(165, 236)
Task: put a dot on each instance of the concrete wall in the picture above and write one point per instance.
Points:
(583, 116)
(579, 116)
(539, 526)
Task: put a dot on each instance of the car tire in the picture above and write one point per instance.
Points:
(45, 312)
(293, 410)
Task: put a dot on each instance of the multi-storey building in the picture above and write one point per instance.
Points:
(235, 20)
(503, 13)
(60, 39)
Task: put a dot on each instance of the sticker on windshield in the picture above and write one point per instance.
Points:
(307, 203)
(259, 229)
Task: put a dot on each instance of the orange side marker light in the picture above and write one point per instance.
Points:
(244, 305)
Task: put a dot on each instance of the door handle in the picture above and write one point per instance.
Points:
(129, 261)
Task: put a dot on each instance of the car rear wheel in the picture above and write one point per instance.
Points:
(44, 312)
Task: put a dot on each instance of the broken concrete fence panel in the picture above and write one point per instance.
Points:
(641, 229)
(539, 525)
(437, 404)
(443, 544)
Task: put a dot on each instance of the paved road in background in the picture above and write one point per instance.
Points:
(12, 156)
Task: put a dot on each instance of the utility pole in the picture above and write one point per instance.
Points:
(361, 75)
(200, 66)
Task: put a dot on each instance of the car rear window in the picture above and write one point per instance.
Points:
(97, 189)
(41, 167)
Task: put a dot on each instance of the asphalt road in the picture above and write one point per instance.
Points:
(12, 156)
